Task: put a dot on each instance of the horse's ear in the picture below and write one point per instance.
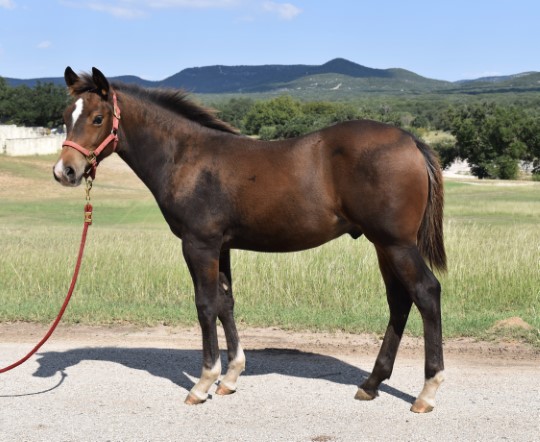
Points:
(71, 77)
(102, 84)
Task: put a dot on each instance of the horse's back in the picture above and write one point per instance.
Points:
(354, 177)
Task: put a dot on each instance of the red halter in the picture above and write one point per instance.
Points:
(91, 156)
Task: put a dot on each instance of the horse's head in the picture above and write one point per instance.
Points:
(92, 123)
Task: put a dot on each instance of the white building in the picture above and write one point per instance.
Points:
(19, 141)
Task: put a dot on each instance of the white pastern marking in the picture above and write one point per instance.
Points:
(59, 168)
(430, 388)
(236, 367)
(239, 362)
(78, 111)
(208, 377)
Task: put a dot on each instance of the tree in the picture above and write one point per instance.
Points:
(284, 117)
(447, 151)
(3, 99)
(272, 113)
(490, 138)
(39, 106)
(234, 111)
(531, 137)
(20, 107)
(49, 102)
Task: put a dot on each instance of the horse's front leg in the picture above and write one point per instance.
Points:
(237, 359)
(203, 264)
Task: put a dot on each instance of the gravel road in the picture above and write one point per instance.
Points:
(128, 384)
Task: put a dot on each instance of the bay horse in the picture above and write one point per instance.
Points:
(219, 190)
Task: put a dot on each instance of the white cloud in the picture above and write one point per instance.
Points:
(135, 9)
(117, 11)
(7, 4)
(286, 11)
(44, 44)
(199, 4)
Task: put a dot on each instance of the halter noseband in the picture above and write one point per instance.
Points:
(91, 156)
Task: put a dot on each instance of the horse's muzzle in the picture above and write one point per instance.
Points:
(66, 175)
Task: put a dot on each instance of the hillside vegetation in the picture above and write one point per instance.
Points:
(338, 76)
(495, 122)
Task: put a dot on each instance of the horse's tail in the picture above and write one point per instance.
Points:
(430, 235)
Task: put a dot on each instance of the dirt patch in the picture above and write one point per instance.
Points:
(12, 186)
(333, 344)
(513, 322)
(114, 177)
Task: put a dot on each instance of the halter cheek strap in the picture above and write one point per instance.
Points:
(91, 156)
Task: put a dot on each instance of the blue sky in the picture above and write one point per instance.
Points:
(447, 40)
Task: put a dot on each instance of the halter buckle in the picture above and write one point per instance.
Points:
(91, 158)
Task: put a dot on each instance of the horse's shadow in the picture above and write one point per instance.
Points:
(179, 365)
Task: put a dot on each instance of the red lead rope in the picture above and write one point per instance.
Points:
(91, 156)
(87, 223)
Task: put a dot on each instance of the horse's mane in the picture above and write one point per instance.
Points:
(175, 100)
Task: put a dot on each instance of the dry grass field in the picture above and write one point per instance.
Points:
(134, 272)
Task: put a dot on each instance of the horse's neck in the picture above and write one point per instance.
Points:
(150, 149)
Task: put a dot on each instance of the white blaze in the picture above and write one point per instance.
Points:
(78, 111)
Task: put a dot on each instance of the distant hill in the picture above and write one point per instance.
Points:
(336, 77)
(219, 79)
(496, 79)
(31, 82)
(525, 82)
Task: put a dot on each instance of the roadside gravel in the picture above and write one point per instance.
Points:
(128, 384)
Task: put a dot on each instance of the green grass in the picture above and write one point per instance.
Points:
(134, 272)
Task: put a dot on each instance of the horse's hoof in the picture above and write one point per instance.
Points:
(191, 399)
(222, 390)
(421, 406)
(363, 395)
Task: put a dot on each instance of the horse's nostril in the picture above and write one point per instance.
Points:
(69, 172)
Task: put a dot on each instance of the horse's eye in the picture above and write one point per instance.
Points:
(98, 119)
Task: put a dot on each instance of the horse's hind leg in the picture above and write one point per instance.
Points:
(237, 359)
(399, 303)
(425, 291)
(408, 280)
